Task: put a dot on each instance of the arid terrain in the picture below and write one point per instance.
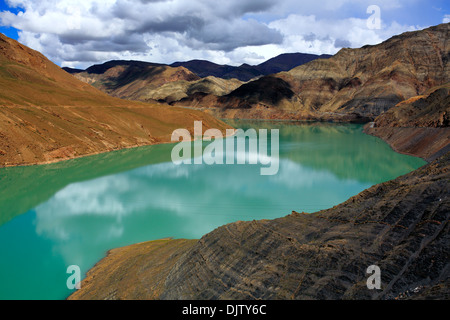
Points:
(417, 126)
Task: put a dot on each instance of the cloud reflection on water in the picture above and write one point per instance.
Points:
(180, 201)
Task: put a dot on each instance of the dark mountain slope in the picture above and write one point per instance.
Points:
(245, 72)
(287, 61)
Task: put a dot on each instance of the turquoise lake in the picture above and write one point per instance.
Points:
(73, 212)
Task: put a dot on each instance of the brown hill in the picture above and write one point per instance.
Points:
(432, 109)
(28, 78)
(142, 81)
(373, 79)
(265, 98)
(419, 125)
(133, 80)
(47, 115)
(177, 90)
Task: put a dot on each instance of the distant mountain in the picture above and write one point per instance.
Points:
(132, 80)
(72, 70)
(245, 72)
(288, 61)
(102, 68)
(205, 68)
(143, 81)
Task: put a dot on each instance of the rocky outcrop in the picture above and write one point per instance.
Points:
(417, 126)
(401, 226)
(426, 143)
(430, 110)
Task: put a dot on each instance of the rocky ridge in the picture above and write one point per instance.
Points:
(418, 126)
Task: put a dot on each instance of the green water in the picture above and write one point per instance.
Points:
(73, 212)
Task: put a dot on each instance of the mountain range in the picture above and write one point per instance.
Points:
(204, 68)
(145, 81)
(245, 72)
(353, 85)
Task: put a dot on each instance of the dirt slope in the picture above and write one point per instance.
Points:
(48, 115)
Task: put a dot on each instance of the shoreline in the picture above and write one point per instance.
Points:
(366, 130)
(100, 152)
(414, 141)
(68, 158)
(47, 162)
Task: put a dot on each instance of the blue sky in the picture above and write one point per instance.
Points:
(81, 33)
(8, 31)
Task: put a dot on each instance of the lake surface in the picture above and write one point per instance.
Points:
(73, 212)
